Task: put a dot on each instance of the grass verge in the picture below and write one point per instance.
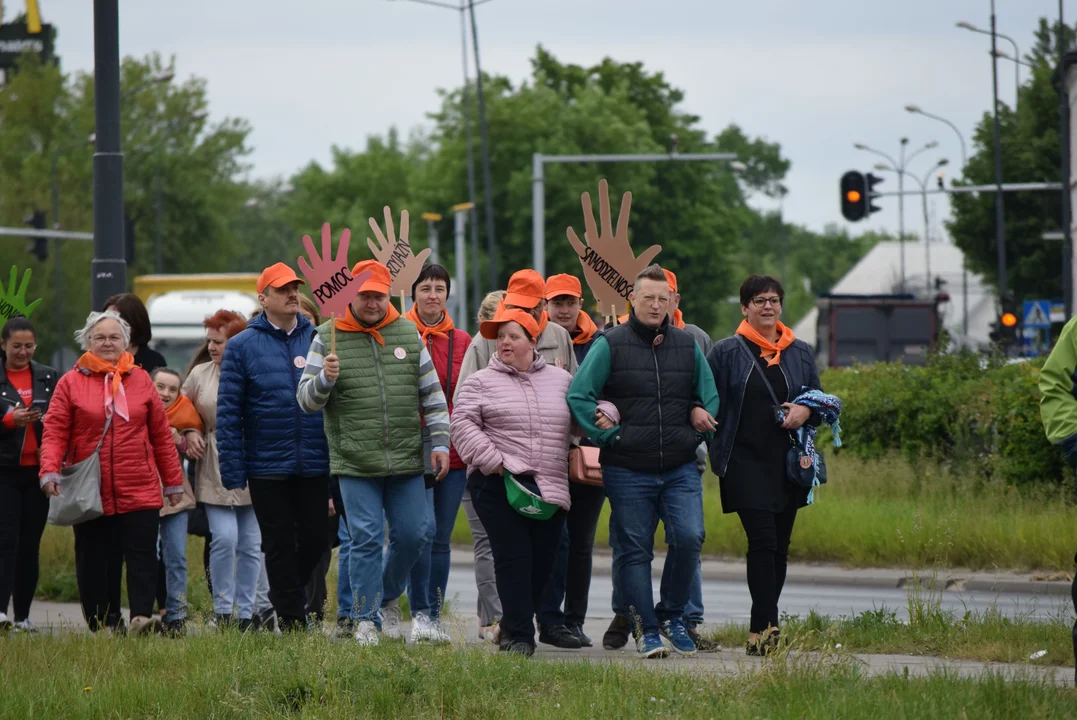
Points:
(231, 676)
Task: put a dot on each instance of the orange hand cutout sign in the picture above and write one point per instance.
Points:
(331, 280)
(395, 254)
(609, 265)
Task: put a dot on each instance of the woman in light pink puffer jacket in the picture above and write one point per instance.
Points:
(514, 416)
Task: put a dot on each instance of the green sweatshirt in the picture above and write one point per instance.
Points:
(591, 379)
(1058, 404)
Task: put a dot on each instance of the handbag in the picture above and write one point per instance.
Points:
(79, 500)
(583, 466)
(800, 469)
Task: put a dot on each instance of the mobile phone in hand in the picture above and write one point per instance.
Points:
(39, 405)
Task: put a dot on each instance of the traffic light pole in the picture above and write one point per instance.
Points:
(1000, 213)
(109, 269)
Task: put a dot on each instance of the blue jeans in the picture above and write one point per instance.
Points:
(235, 558)
(637, 502)
(345, 601)
(377, 578)
(430, 575)
(173, 548)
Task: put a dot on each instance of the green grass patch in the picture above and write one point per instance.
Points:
(232, 676)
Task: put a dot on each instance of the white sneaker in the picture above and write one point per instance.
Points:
(5, 624)
(441, 636)
(367, 633)
(421, 628)
(25, 626)
(390, 622)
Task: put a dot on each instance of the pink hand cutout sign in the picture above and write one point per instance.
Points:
(331, 281)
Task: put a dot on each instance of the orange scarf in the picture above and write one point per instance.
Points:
(586, 329)
(678, 319)
(115, 395)
(182, 415)
(785, 339)
(350, 323)
(442, 329)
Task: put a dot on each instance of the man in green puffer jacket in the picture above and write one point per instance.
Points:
(1058, 408)
(377, 389)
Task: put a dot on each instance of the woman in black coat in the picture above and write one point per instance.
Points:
(749, 452)
(25, 390)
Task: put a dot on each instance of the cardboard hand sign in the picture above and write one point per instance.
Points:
(395, 254)
(331, 280)
(12, 302)
(609, 265)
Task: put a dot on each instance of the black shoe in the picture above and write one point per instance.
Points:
(223, 622)
(559, 636)
(519, 647)
(764, 645)
(577, 630)
(267, 620)
(703, 645)
(175, 628)
(617, 633)
(246, 625)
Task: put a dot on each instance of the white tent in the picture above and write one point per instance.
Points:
(879, 273)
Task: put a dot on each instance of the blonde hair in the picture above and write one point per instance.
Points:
(489, 305)
(307, 305)
(94, 319)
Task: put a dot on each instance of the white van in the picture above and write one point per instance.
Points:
(176, 320)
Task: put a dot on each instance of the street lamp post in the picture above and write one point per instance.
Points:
(923, 197)
(487, 180)
(1016, 52)
(900, 167)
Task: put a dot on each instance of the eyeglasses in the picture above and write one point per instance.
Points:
(763, 301)
(114, 339)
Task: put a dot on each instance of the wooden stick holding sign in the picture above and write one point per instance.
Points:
(396, 254)
(609, 265)
(331, 280)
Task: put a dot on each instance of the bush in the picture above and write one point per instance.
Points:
(979, 415)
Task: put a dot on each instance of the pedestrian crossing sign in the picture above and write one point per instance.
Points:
(1037, 314)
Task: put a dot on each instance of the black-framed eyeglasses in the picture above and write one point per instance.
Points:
(764, 301)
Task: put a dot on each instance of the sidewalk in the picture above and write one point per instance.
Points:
(952, 579)
(59, 617)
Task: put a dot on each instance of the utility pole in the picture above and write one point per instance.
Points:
(487, 181)
(109, 269)
(1000, 213)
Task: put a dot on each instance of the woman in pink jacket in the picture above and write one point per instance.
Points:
(513, 417)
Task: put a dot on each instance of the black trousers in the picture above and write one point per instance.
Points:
(571, 579)
(768, 558)
(291, 513)
(24, 509)
(316, 589)
(133, 536)
(524, 554)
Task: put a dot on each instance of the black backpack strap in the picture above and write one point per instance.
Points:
(448, 377)
(770, 389)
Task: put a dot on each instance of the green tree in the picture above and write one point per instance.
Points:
(1031, 152)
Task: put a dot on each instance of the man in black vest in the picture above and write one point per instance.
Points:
(658, 402)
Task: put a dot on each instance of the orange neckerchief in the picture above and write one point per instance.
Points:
(115, 396)
(350, 323)
(182, 415)
(678, 319)
(442, 329)
(586, 329)
(785, 339)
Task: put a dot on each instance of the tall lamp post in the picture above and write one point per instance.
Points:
(927, 224)
(900, 167)
(1016, 52)
(917, 110)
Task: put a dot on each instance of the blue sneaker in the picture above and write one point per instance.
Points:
(650, 645)
(677, 634)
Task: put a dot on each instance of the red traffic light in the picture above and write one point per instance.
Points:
(1008, 319)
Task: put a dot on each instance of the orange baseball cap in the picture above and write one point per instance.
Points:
(671, 279)
(277, 276)
(558, 285)
(526, 289)
(488, 328)
(380, 279)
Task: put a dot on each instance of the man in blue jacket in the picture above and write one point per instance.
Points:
(267, 443)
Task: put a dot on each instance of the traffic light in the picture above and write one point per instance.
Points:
(38, 246)
(1004, 329)
(857, 195)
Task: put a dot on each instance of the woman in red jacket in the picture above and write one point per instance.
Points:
(137, 457)
(446, 345)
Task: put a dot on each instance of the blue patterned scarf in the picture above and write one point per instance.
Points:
(825, 407)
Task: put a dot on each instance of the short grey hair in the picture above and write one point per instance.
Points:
(94, 319)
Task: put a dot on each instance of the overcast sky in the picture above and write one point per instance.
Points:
(815, 75)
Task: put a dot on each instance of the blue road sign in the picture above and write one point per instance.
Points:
(1037, 314)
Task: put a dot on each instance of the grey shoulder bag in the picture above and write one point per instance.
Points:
(79, 500)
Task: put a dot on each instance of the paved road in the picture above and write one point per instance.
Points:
(728, 601)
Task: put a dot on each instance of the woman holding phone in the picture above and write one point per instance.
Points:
(25, 389)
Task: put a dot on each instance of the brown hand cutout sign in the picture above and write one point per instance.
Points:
(395, 254)
(609, 265)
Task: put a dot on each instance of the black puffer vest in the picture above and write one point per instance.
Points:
(651, 381)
